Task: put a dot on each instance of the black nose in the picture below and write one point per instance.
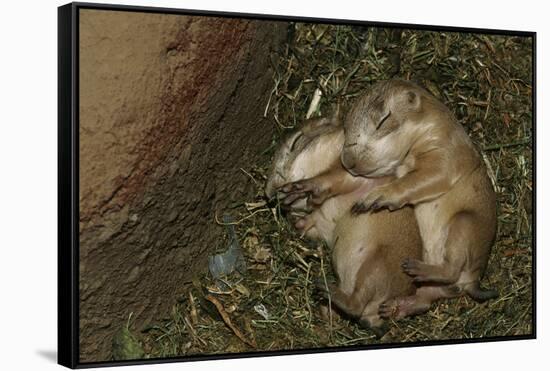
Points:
(348, 162)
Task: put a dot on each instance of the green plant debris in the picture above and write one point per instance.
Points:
(126, 345)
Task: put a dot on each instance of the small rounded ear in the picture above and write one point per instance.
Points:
(412, 99)
(315, 127)
(382, 119)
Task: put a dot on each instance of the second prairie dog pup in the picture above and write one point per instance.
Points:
(367, 249)
(400, 129)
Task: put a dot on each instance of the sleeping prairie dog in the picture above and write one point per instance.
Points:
(367, 249)
(400, 129)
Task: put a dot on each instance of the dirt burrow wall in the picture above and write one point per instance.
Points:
(171, 107)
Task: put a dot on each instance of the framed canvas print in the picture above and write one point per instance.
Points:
(235, 185)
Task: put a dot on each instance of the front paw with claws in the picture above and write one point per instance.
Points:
(307, 188)
(377, 199)
(416, 269)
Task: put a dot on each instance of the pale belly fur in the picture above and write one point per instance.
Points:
(431, 223)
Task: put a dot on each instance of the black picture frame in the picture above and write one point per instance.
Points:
(68, 181)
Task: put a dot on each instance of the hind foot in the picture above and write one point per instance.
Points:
(402, 307)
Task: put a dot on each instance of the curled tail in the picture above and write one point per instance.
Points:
(479, 294)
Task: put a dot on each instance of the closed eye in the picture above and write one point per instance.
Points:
(279, 173)
(295, 140)
(383, 120)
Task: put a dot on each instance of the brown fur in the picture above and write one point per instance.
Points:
(367, 249)
(400, 129)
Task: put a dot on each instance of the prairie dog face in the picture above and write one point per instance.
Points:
(305, 153)
(283, 158)
(382, 127)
